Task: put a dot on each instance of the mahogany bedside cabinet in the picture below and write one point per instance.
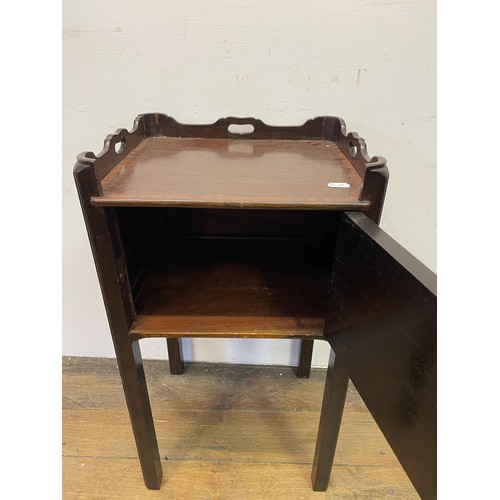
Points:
(239, 229)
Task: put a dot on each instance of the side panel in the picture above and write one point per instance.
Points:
(382, 322)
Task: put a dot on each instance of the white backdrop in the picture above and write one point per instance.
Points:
(371, 62)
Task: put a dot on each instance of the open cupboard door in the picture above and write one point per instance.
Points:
(381, 325)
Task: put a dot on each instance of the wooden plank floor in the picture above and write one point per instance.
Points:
(224, 432)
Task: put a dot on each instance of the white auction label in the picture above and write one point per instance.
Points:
(338, 185)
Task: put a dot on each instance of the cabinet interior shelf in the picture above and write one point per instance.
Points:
(227, 234)
(238, 229)
(233, 288)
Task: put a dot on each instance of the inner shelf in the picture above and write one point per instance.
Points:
(233, 288)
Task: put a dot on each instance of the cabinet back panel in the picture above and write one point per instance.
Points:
(150, 233)
(240, 223)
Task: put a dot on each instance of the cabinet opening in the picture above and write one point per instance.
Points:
(228, 272)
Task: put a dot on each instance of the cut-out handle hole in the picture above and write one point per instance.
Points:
(353, 149)
(243, 129)
(120, 146)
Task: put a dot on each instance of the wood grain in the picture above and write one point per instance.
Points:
(269, 435)
(96, 478)
(220, 388)
(223, 326)
(224, 431)
(382, 320)
(102, 228)
(234, 289)
(161, 163)
(195, 172)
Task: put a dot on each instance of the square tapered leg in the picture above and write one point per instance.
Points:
(136, 394)
(334, 397)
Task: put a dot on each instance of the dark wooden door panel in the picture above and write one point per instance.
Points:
(381, 321)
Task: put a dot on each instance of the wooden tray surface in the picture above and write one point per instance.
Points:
(196, 172)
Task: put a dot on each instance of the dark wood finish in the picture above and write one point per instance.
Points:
(327, 134)
(274, 285)
(350, 151)
(382, 320)
(109, 260)
(227, 432)
(138, 230)
(234, 223)
(221, 326)
(374, 189)
(175, 358)
(305, 357)
(332, 409)
(179, 172)
(234, 288)
(373, 170)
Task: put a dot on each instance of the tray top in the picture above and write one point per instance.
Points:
(230, 173)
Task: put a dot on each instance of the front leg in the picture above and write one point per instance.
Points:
(128, 356)
(334, 397)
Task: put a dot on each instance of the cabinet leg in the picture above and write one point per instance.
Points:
(305, 357)
(129, 359)
(175, 358)
(334, 397)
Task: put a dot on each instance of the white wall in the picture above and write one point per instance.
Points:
(371, 62)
